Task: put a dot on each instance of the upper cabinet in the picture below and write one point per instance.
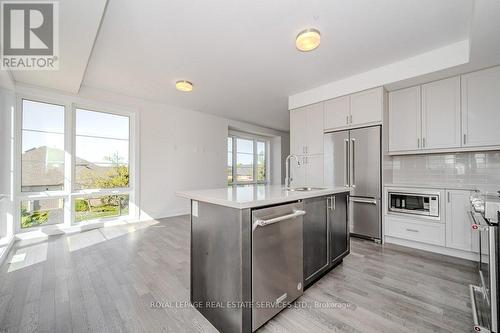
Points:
(363, 108)
(404, 119)
(481, 108)
(367, 107)
(306, 130)
(441, 114)
(455, 114)
(337, 112)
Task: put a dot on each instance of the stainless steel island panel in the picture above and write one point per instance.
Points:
(221, 265)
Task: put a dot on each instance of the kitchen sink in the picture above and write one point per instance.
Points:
(304, 189)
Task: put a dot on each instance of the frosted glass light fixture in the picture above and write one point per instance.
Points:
(308, 40)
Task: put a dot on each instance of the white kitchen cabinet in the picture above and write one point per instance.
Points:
(458, 226)
(481, 108)
(314, 170)
(366, 107)
(422, 231)
(404, 119)
(298, 172)
(306, 130)
(298, 130)
(315, 128)
(441, 125)
(310, 171)
(359, 109)
(337, 112)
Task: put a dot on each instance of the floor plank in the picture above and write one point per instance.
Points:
(106, 280)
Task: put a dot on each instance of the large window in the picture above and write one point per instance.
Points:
(42, 138)
(247, 161)
(102, 149)
(76, 164)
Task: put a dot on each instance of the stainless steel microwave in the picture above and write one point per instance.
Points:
(414, 203)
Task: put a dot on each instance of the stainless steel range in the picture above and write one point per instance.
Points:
(485, 297)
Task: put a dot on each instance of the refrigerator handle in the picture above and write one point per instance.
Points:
(353, 161)
(346, 164)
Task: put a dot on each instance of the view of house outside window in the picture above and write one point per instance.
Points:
(101, 162)
(42, 163)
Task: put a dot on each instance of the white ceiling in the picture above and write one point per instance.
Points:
(240, 55)
(78, 25)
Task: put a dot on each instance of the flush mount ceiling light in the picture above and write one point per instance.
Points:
(184, 86)
(308, 40)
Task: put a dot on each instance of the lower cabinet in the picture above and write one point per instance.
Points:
(326, 236)
(458, 225)
(452, 234)
(339, 227)
(430, 232)
(315, 241)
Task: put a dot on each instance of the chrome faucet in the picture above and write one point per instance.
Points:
(288, 178)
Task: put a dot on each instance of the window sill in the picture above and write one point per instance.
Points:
(59, 229)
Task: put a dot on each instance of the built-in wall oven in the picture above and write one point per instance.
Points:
(485, 297)
(414, 203)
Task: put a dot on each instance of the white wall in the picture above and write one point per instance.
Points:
(480, 169)
(180, 149)
(435, 60)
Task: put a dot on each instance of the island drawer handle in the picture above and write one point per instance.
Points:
(263, 223)
(412, 230)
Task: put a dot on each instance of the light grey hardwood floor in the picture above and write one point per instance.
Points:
(105, 280)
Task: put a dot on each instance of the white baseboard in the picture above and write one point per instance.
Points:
(433, 248)
(174, 213)
(5, 246)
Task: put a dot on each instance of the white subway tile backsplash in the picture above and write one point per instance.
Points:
(468, 168)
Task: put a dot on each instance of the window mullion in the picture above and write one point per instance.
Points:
(69, 163)
(267, 155)
(17, 165)
(234, 159)
(255, 161)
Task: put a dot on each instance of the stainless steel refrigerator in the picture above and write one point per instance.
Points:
(353, 158)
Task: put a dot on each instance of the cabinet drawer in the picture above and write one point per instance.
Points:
(420, 231)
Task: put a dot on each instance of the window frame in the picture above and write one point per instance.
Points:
(69, 192)
(255, 138)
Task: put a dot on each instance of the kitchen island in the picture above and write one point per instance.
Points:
(255, 248)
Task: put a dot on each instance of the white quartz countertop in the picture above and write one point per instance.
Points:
(242, 197)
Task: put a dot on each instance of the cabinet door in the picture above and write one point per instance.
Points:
(366, 107)
(337, 112)
(404, 119)
(314, 170)
(339, 227)
(298, 172)
(315, 129)
(481, 108)
(441, 114)
(315, 238)
(298, 128)
(458, 226)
